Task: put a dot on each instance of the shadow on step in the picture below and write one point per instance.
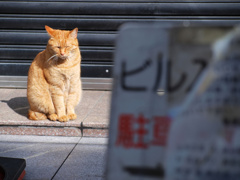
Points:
(19, 105)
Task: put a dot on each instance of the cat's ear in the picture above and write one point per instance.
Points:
(73, 33)
(49, 30)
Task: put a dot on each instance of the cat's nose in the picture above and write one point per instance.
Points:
(62, 52)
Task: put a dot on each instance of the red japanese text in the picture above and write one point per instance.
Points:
(140, 132)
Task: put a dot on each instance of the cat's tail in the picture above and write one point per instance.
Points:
(36, 115)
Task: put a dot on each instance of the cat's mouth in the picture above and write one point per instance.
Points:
(62, 57)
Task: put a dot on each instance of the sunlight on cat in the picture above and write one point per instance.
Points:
(54, 85)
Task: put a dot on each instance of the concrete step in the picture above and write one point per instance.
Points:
(93, 116)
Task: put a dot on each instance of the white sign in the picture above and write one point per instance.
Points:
(204, 137)
(139, 126)
(189, 54)
(150, 59)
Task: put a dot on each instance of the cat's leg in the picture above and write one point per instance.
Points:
(58, 102)
(73, 99)
(36, 115)
(40, 104)
(70, 107)
(52, 117)
(51, 110)
(37, 102)
(42, 108)
(60, 108)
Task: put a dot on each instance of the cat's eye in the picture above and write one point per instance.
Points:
(59, 47)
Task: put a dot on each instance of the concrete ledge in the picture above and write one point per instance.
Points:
(53, 131)
(87, 83)
(92, 112)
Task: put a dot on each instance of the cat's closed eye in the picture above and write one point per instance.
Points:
(59, 47)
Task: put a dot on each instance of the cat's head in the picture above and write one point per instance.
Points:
(62, 44)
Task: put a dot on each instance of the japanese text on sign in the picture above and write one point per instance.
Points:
(132, 130)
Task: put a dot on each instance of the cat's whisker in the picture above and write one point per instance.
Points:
(51, 57)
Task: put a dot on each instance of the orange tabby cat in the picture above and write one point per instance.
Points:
(54, 84)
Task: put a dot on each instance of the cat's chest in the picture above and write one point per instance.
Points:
(60, 77)
(66, 83)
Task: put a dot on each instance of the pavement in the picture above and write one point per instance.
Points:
(56, 150)
(57, 157)
(92, 121)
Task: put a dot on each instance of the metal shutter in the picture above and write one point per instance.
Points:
(22, 33)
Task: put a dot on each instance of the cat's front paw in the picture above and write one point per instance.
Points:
(72, 116)
(53, 117)
(63, 118)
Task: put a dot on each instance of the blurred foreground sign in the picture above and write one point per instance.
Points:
(138, 116)
(203, 141)
(175, 104)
